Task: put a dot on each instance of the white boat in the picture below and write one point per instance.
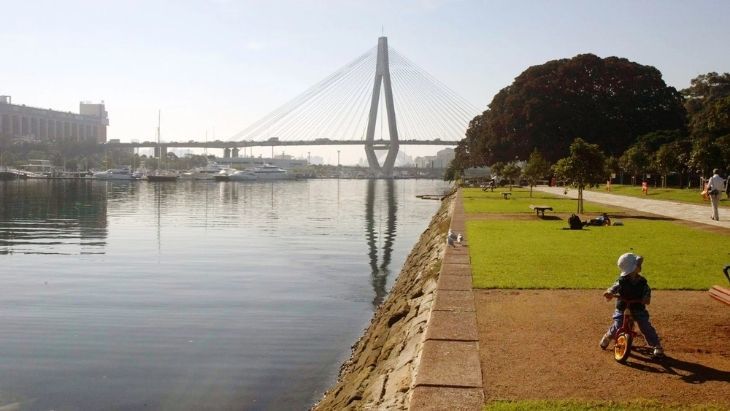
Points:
(7, 173)
(113, 174)
(38, 169)
(269, 172)
(242, 175)
(205, 173)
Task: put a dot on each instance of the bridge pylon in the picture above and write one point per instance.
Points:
(382, 76)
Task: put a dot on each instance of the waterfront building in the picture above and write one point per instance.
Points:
(35, 125)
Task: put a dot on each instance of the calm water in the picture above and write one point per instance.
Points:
(193, 295)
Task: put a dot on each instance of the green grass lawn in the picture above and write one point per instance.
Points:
(574, 405)
(691, 195)
(543, 254)
(478, 201)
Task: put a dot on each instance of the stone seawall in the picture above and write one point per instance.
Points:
(381, 371)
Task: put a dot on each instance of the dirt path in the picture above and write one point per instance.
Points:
(543, 344)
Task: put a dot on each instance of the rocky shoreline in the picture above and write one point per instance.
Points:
(381, 370)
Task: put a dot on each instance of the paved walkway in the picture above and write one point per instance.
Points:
(673, 209)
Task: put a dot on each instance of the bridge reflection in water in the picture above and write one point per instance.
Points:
(380, 270)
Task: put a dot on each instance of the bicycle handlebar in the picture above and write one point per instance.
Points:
(627, 301)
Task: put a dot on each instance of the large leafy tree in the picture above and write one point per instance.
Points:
(607, 101)
(708, 108)
(585, 165)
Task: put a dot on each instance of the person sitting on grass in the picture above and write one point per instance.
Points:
(631, 286)
(574, 222)
(600, 220)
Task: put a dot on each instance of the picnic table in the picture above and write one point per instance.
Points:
(506, 195)
(721, 294)
(540, 209)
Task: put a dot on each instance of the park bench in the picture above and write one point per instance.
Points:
(506, 195)
(721, 294)
(540, 209)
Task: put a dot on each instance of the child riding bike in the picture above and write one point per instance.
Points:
(631, 286)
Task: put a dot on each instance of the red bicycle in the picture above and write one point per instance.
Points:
(625, 334)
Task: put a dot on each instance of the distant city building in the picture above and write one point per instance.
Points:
(442, 159)
(32, 124)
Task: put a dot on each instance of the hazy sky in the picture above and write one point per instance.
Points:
(219, 65)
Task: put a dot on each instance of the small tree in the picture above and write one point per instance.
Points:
(497, 170)
(535, 168)
(585, 165)
(635, 160)
(667, 160)
(512, 171)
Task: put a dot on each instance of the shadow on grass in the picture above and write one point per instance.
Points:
(689, 372)
(551, 217)
(648, 217)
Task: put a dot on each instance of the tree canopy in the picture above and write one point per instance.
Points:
(607, 101)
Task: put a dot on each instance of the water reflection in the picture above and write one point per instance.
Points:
(379, 272)
(54, 217)
(248, 297)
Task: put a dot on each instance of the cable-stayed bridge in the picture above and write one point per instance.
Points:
(380, 100)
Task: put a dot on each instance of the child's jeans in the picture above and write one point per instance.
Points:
(642, 320)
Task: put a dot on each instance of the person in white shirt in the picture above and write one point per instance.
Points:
(715, 186)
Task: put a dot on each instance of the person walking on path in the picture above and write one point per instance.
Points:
(715, 186)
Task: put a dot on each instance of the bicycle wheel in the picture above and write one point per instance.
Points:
(622, 348)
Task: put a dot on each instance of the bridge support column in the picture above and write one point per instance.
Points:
(382, 74)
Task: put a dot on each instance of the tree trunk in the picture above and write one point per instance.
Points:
(580, 198)
(530, 190)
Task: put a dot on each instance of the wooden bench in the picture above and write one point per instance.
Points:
(721, 294)
(540, 209)
(506, 195)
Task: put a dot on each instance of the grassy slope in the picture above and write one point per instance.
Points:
(691, 195)
(571, 405)
(542, 254)
(477, 201)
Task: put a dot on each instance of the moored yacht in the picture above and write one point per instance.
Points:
(162, 176)
(11, 173)
(205, 173)
(113, 174)
(269, 172)
(242, 175)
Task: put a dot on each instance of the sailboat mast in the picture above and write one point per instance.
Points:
(159, 146)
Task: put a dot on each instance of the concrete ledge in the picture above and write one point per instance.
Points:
(449, 373)
(454, 301)
(458, 250)
(456, 269)
(456, 258)
(454, 283)
(446, 398)
(452, 325)
(450, 363)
